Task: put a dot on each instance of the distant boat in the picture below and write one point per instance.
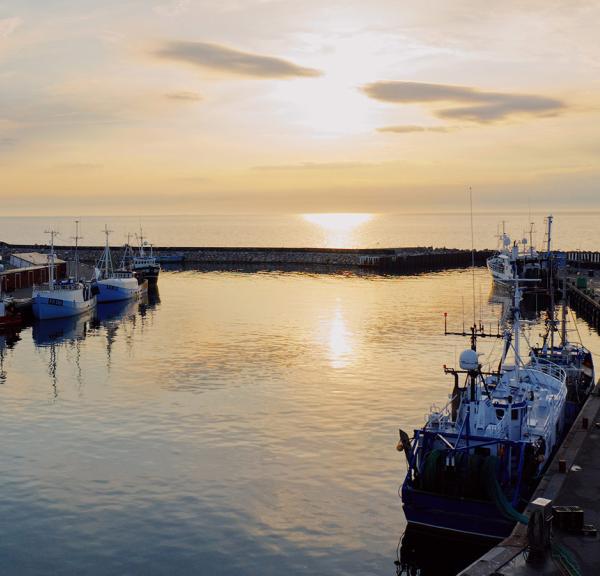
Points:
(143, 264)
(170, 258)
(61, 299)
(521, 259)
(114, 285)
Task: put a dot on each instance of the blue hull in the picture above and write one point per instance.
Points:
(460, 515)
(109, 293)
(43, 309)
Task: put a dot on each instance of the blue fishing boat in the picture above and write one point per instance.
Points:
(114, 285)
(475, 463)
(61, 299)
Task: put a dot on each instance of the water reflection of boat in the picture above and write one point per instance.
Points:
(452, 553)
(59, 330)
(111, 311)
(8, 340)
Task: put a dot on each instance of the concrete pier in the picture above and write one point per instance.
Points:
(385, 260)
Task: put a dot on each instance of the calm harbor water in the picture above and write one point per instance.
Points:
(572, 231)
(243, 423)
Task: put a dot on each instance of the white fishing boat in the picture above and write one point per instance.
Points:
(60, 299)
(519, 259)
(114, 285)
(475, 463)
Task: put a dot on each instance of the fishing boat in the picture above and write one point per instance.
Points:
(519, 259)
(475, 463)
(143, 264)
(9, 317)
(575, 359)
(61, 299)
(114, 285)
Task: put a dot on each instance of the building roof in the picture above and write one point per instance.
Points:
(36, 259)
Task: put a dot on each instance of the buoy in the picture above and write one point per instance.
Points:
(400, 446)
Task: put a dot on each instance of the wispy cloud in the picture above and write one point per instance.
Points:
(183, 96)
(314, 166)
(231, 61)
(466, 103)
(8, 26)
(407, 129)
(172, 8)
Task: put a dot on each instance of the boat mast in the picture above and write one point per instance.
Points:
(550, 218)
(108, 271)
(77, 237)
(52, 234)
(531, 224)
(141, 242)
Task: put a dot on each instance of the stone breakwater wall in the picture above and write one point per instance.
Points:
(384, 259)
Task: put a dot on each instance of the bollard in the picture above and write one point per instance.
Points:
(562, 466)
(585, 423)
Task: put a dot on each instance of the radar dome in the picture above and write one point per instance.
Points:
(469, 360)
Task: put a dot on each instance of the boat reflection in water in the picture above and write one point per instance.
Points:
(76, 328)
(61, 330)
(423, 552)
(8, 339)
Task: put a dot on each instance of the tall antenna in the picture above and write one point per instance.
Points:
(472, 253)
(77, 237)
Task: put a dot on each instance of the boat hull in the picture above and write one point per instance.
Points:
(458, 515)
(116, 291)
(149, 273)
(45, 308)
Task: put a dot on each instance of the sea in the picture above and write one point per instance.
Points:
(571, 230)
(234, 422)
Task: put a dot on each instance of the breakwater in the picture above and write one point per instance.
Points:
(389, 260)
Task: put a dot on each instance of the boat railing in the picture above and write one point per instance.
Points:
(59, 286)
(549, 368)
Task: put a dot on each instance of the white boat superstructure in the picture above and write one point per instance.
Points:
(114, 285)
(519, 258)
(61, 299)
(522, 401)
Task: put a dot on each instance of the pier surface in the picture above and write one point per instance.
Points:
(579, 486)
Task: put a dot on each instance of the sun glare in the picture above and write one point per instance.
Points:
(338, 221)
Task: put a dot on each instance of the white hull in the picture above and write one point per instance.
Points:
(500, 269)
(117, 289)
(49, 304)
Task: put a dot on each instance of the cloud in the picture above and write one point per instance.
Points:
(183, 96)
(8, 26)
(467, 103)
(314, 166)
(231, 61)
(172, 8)
(409, 128)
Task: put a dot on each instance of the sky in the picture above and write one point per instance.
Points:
(252, 106)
